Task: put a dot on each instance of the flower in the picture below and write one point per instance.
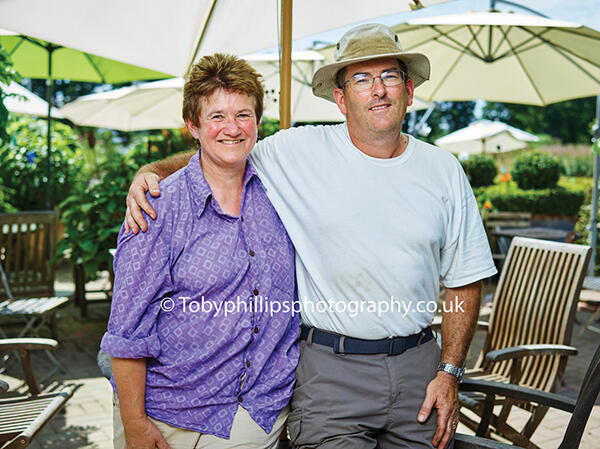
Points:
(487, 205)
(505, 177)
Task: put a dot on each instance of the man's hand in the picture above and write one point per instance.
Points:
(442, 393)
(141, 433)
(136, 201)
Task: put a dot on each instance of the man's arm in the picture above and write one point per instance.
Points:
(146, 180)
(130, 379)
(458, 325)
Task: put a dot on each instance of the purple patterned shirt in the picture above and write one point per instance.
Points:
(208, 299)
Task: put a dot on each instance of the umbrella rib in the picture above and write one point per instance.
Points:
(201, 37)
(447, 74)
(459, 47)
(497, 49)
(95, 67)
(558, 46)
(528, 75)
(474, 36)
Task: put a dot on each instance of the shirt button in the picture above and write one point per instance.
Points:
(255, 291)
(256, 330)
(248, 363)
(241, 219)
(240, 399)
(251, 253)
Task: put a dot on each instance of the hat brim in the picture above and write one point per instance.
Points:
(417, 66)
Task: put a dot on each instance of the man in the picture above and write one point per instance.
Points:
(377, 219)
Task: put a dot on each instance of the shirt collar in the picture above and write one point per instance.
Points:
(199, 187)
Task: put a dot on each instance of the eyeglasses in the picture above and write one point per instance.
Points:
(364, 81)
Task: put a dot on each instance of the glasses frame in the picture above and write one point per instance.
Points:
(374, 77)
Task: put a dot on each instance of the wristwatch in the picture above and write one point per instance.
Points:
(451, 369)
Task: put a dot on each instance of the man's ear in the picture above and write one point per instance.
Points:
(338, 96)
(193, 129)
(410, 91)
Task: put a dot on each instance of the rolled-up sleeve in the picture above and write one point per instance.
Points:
(142, 281)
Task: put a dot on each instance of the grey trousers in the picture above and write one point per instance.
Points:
(362, 401)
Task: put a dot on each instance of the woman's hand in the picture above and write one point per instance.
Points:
(141, 433)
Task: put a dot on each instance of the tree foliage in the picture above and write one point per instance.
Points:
(7, 74)
(23, 163)
(448, 116)
(570, 121)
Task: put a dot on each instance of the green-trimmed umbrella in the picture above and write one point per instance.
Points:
(35, 58)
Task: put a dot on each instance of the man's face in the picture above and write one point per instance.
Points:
(379, 109)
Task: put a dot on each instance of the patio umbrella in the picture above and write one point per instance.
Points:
(154, 105)
(169, 37)
(23, 101)
(35, 58)
(505, 57)
(486, 136)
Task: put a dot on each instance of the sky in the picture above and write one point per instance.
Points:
(586, 12)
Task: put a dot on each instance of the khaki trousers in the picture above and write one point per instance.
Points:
(245, 433)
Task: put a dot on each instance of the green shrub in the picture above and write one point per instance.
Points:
(557, 201)
(578, 166)
(480, 169)
(92, 216)
(5, 206)
(536, 170)
(23, 163)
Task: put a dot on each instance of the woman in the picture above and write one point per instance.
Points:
(201, 334)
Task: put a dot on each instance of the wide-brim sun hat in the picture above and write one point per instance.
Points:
(363, 43)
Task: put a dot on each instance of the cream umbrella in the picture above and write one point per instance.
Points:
(154, 105)
(505, 57)
(486, 136)
(23, 101)
(169, 36)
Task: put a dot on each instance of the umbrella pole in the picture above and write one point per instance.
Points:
(49, 99)
(285, 75)
(594, 214)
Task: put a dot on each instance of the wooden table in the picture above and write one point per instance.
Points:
(535, 232)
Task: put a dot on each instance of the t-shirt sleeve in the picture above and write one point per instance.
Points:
(142, 280)
(466, 255)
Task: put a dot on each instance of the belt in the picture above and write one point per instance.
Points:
(347, 345)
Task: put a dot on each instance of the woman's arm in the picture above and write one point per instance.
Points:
(130, 378)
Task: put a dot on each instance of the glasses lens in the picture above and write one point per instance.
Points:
(361, 81)
(391, 78)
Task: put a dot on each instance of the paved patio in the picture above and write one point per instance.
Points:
(87, 419)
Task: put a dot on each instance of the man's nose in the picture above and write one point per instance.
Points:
(378, 87)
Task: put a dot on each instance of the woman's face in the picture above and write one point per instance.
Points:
(227, 128)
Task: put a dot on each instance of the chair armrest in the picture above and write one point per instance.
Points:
(462, 441)
(518, 392)
(483, 326)
(26, 344)
(516, 352)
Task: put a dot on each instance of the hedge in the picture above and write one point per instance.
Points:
(556, 201)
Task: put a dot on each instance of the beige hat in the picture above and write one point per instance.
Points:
(363, 43)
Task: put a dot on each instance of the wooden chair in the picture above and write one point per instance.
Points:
(22, 417)
(580, 409)
(27, 243)
(530, 328)
(496, 221)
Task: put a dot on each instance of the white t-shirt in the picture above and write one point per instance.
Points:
(373, 237)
